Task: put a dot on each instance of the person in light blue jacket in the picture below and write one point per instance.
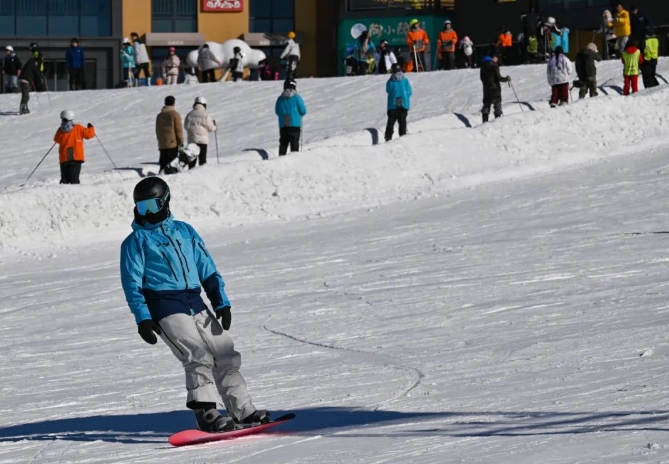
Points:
(399, 93)
(128, 61)
(164, 265)
(290, 108)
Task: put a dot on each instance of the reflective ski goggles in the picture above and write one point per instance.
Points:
(152, 205)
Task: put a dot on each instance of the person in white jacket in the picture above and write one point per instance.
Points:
(292, 52)
(558, 72)
(141, 58)
(385, 58)
(198, 125)
(171, 67)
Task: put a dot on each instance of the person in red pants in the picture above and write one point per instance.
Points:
(632, 61)
(558, 72)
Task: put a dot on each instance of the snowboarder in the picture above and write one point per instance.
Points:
(290, 108)
(75, 60)
(292, 52)
(385, 58)
(586, 70)
(417, 41)
(632, 61)
(207, 62)
(399, 93)
(29, 78)
(141, 58)
(70, 138)
(446, 46)
(198, 125)
(128, 62)
(169, 131)
(492, 90)
(558, 73)
(171, 67)
(11, 69)
(164, 265)
(650, 56)
(236, 65)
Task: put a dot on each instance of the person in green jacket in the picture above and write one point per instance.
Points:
(632, 60)
(650, 55)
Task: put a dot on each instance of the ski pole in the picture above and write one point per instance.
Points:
(218, 159)
(517, 99)
(38, 164)
(110, 158)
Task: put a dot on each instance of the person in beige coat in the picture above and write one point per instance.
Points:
(198, 126)
(169, 132)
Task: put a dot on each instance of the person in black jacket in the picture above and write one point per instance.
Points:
(11, 68)
(29, 76)
(530, 22)
(639, 22)
(40, 85)
(492, 90)
(586, 70)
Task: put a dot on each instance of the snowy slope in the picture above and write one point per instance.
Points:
(521, 319)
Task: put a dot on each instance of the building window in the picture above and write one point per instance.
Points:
(55, 18)
(174, 16)
(272, 16)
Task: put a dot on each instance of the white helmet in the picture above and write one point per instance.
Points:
(201, 101)
(10, 48)
(126, 40)
(68, 115)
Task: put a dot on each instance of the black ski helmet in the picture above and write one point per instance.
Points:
(236, 50)
(395, 68)
(33, 45)
(151, 188)
(289, 84)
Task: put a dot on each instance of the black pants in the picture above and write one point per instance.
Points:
(420, 65)
(208, 76)
(293, 63)
(25, 92)
(447, 60)
(493, 100)
(77, 79)
(236, 76)
(142, 67)
(202, 157)
(648, 74)
(289, 135)
(69, 172)
(398, 115)
(167, 155)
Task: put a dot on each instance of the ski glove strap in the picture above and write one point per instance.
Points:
(223, 313)
(146, 330)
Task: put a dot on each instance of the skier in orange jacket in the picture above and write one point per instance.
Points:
(70, 137)
(417, 40)
(446, 45)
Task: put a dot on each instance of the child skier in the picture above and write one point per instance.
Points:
(164, 264)
(399, 93)
(558, 71)
(492, 90)
(236, 66)
(632, 61)
(289, 108)
(128, 60)
(198, 125)
(70, 138)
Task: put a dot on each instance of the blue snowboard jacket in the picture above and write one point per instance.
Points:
(75, 58)
(163, 269)
(399, 92)
(290, 108)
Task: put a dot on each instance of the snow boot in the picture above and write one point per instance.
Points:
(24, 109)
(486, 117)
(212, 421)
(260, 416)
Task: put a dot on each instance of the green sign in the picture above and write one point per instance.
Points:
(392, 29)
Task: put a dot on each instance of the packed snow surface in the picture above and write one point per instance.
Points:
(486, 294)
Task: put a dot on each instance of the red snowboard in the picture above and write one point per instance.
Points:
(195, 437)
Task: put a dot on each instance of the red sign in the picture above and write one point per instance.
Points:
(222, 5)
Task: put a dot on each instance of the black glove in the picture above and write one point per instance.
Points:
(146, 329)
(225, 316)
(90, 125)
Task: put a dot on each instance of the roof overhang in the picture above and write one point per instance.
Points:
(174, 39)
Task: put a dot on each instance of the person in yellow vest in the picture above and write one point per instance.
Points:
(650, 55)
(632, 61)
(417, 41)
(446, 45)
(622, 27)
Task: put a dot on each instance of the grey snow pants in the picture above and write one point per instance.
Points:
(210, 361)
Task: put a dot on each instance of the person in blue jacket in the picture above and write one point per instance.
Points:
(128, 61)
(75, 61)
(290, 108)
(399, 93)
(164, 265)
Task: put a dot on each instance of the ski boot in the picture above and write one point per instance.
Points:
(260, 416)
(24, 109)
(212, 421)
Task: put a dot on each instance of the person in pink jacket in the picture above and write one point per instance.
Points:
(171, 67)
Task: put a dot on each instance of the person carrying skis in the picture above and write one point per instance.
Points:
(632, 61)
(11, 68)
(198, 125)
(70, 139)
(171, 67)
(399, 93)
(417, 41)
(586, 70)
(141, 58)
(292, 52)
(169, 132)
(650, 56)
(558, 73)
(236, 65)
(207, 62)
(28, 80)
(446, 45)
(492, 90)
(385, 58)
(128, 62)
(164, 265)
(290, 108)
